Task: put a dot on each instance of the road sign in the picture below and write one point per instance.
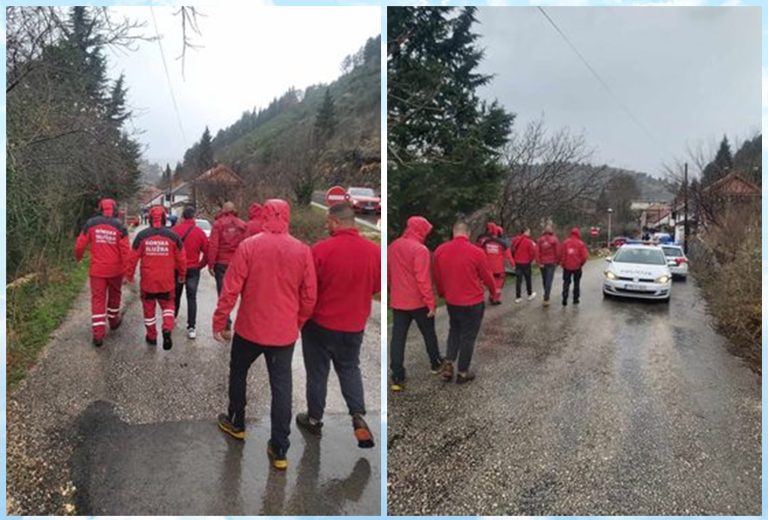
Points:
(593, 231)
(336, 195)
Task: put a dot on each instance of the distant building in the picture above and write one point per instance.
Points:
(211, 189)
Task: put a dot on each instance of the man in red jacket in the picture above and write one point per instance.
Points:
(524, 253)
(274, 276)
(410, 296)
(227, 233)
(162, 263)
(110, 252)
(548, 251)
(348, 269)
(496, 251)
(573, 257)
(255, 222)
(196, 249)
(461, 270)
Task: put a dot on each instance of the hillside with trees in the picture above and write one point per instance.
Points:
(304, 140)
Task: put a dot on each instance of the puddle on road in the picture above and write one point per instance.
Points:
(191, 468)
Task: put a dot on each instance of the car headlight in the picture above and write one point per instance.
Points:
(662, 279)
(610, 275)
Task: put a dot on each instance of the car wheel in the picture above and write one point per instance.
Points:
(683, 278)
(606, 296)
(666, 300)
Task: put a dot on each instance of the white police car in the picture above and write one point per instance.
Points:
(638, 271)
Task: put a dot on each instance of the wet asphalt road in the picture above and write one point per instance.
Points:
(130, 429)
(606, 408)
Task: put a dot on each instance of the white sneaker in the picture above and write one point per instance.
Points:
(191, 334)
(518, 300)
(532, 296)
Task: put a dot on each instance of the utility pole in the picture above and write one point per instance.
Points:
(609, 226)
(685, 209)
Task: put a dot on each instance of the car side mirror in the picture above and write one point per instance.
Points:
(609, 259)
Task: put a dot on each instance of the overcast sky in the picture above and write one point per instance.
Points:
(249, 55)
(688, 74)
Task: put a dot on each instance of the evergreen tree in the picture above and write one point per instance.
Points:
(205, 152)
(721, 166)
(325, 121)
(444, 142)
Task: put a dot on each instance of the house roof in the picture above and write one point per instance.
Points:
(220, 174)
(149, 194)
(733, 184)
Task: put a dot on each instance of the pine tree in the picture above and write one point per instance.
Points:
(325, 121)
(205, 152)
(721, 165)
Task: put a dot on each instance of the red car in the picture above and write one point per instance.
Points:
(364, 200)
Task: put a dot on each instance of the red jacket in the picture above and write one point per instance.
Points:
(408, 272)
(274, 275)
(548, 249)
(255, 221)
(162, 256)
(227, 233)
(460, 271)
(195, 243)
(574, 253)
(348, 269)
(523, 249)
(495, 253)
(110, 249)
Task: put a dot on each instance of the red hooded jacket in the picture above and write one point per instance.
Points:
(274, 275)
(460, 271)
(408, 268)
(574, 253)
(195, 243)
(227, 233)
(108, 238)
(523, 249)
(496, 251)
(255, 221)
(162, 256)
(348, 269)
(548, 249)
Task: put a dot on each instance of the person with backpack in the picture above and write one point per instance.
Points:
(524, 253)
(227, 233)
(574, 256)
(255, 220)
(548, 254)
(196, 249)
(496, 252)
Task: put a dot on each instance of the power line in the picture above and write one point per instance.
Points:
(168, 78)
(602, 82)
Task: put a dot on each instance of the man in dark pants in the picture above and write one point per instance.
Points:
(274, 276)
(410, 297)
(226, 234)
(524, 254)
(461, 271)
(348, 269)
(548, 254)
(196, 250)
(573, 257)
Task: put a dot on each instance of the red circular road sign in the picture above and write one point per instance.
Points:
(593, 232)
(336, 195)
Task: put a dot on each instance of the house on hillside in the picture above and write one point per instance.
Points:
(211, 189)
(649, 211)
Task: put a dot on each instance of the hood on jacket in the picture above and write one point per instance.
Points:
(276, 214)
(157, 216)
(254, 211)
(576, 233)
(107, 207)
(417, 228)
(493, 229)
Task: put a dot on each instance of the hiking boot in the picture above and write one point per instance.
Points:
(313, 426)
(447, 373)
(97, 342)
(151, 341)
(277, 456)
(464, 377)
(167, 343)
(362, 432)
(531, 296)
(565, 302)
(397, 386)
(114, 325)
(191, 333)
(227, 427)
(437, 367)
(545, 303)
(575, 301)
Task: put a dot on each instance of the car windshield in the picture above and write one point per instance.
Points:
(361, 192)
(637, 255)
(203, 224)
(672, 251)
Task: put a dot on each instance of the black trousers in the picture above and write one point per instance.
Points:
(278, 360)
(219, 270)
(464, 323)
(401, 322)
(567, 276)
(321, 347)
(191, 283)
(547, 276)
(523, 271)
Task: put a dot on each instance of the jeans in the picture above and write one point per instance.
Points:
(278, 360)
(547, 276)
(523, 271)
(320, 347)
(567, 275)
(464, 323)
(219, 270)
(192, 281)
(401, 322)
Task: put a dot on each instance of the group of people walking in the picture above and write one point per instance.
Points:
(285, 289)
(461, 271)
